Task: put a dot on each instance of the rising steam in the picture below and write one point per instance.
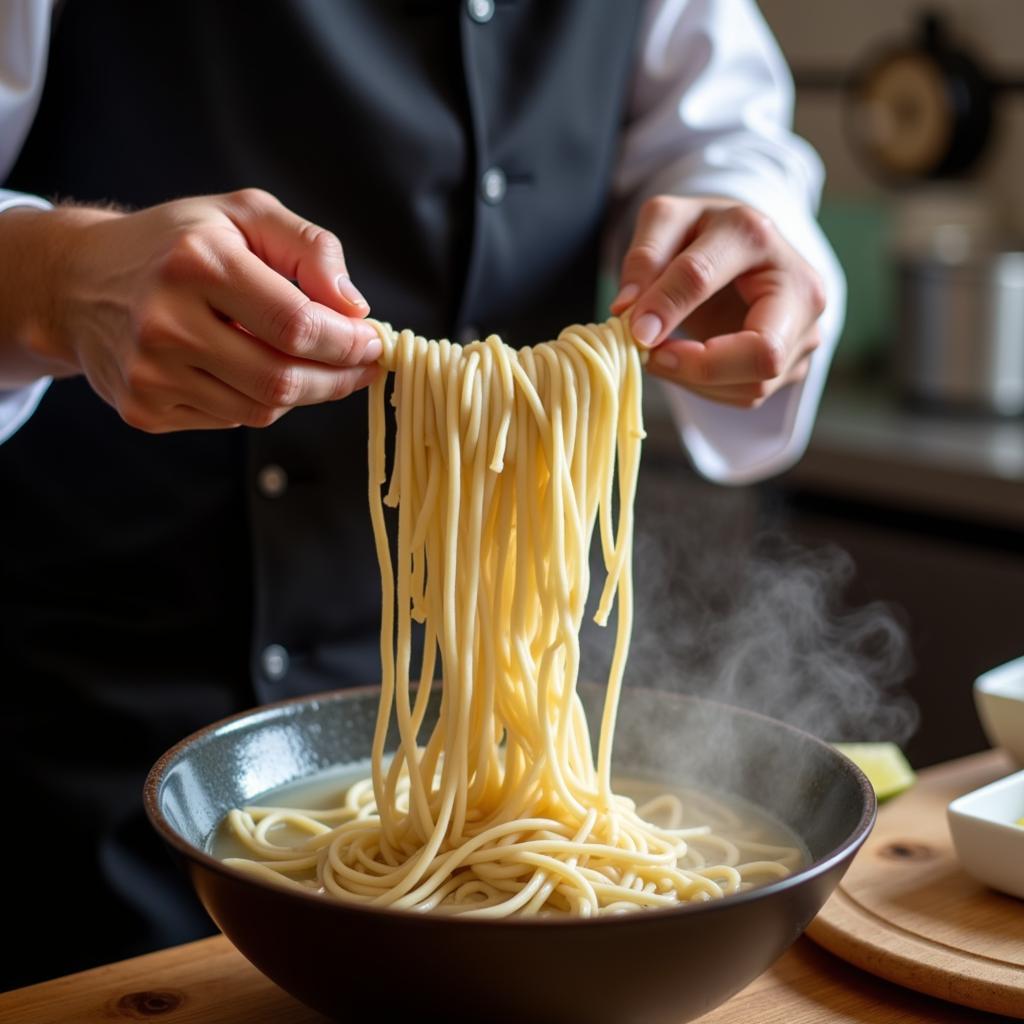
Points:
(752, 618)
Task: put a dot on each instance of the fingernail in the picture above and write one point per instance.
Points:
(664, 359)
(646, 329)
(373, 350)
(627, 293)
(349, 291)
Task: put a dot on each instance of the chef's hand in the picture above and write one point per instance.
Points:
(183, 316)
(746, 300)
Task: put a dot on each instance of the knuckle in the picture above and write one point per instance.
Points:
(282, 387)
(151, 332)
(343, 387)
(296, 329)
(692, 275)
(324, 242)
(157, 332)
(191, 257)
(658, 207)
(260, 416)
(252, 199)
(757, 227)
(141, 377)
(160, 340)
(770, 356)
(672, 296)
(136, 415)
(350, 345)
(816, 293)
(642, 259)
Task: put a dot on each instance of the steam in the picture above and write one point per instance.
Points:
(757, 620)
(792, 649)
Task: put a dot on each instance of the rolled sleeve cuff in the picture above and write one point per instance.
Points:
(10, 200)
(17, 406)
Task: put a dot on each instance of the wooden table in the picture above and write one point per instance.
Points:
(208, 982)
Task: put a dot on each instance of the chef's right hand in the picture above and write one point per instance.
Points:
(184, 316)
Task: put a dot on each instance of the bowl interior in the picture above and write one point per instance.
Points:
(660, 736)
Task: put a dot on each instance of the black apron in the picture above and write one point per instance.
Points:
(154, 583)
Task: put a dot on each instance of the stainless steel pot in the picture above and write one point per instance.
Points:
(961, 338)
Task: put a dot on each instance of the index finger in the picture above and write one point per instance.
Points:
(659, 234)
(763, 350)
(260, 300)
(296, 248)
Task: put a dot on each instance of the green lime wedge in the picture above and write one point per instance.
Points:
(884, 765)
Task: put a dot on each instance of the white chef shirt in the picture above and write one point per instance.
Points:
(709, 114)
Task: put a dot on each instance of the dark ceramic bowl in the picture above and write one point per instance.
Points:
(354, 964)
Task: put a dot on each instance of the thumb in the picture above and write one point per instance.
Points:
(297, 249)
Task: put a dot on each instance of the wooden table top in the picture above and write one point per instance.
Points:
(208, 982)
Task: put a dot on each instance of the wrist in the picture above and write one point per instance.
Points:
(41, 253)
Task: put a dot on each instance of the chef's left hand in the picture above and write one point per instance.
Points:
(748, 302)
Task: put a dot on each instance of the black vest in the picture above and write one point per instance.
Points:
(462, 152)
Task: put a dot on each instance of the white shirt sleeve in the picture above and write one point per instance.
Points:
(710, 114)
(24, 40)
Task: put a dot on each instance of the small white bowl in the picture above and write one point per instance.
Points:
(999, 699)
(990, 846)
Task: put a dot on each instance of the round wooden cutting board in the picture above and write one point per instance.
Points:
(907, 912)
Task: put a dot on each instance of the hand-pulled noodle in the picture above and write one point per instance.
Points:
(506, 461)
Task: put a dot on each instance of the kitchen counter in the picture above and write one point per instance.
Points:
(868, 447)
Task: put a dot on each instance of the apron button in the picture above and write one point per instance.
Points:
(272, 481)
(481, 11)
(493, 186)
(274, 662)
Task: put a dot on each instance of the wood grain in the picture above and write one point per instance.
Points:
(205, 982)
(907, 912)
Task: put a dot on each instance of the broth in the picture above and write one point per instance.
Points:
(730, 817)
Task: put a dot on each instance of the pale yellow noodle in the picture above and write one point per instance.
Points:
(505, 462)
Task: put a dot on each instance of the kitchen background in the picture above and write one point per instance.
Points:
(906, 516)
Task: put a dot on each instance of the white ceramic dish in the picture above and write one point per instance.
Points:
(990, 846)
(999, 698)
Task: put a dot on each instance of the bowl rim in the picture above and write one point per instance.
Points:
(991, 683)
(960, 810)
(821, 866)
